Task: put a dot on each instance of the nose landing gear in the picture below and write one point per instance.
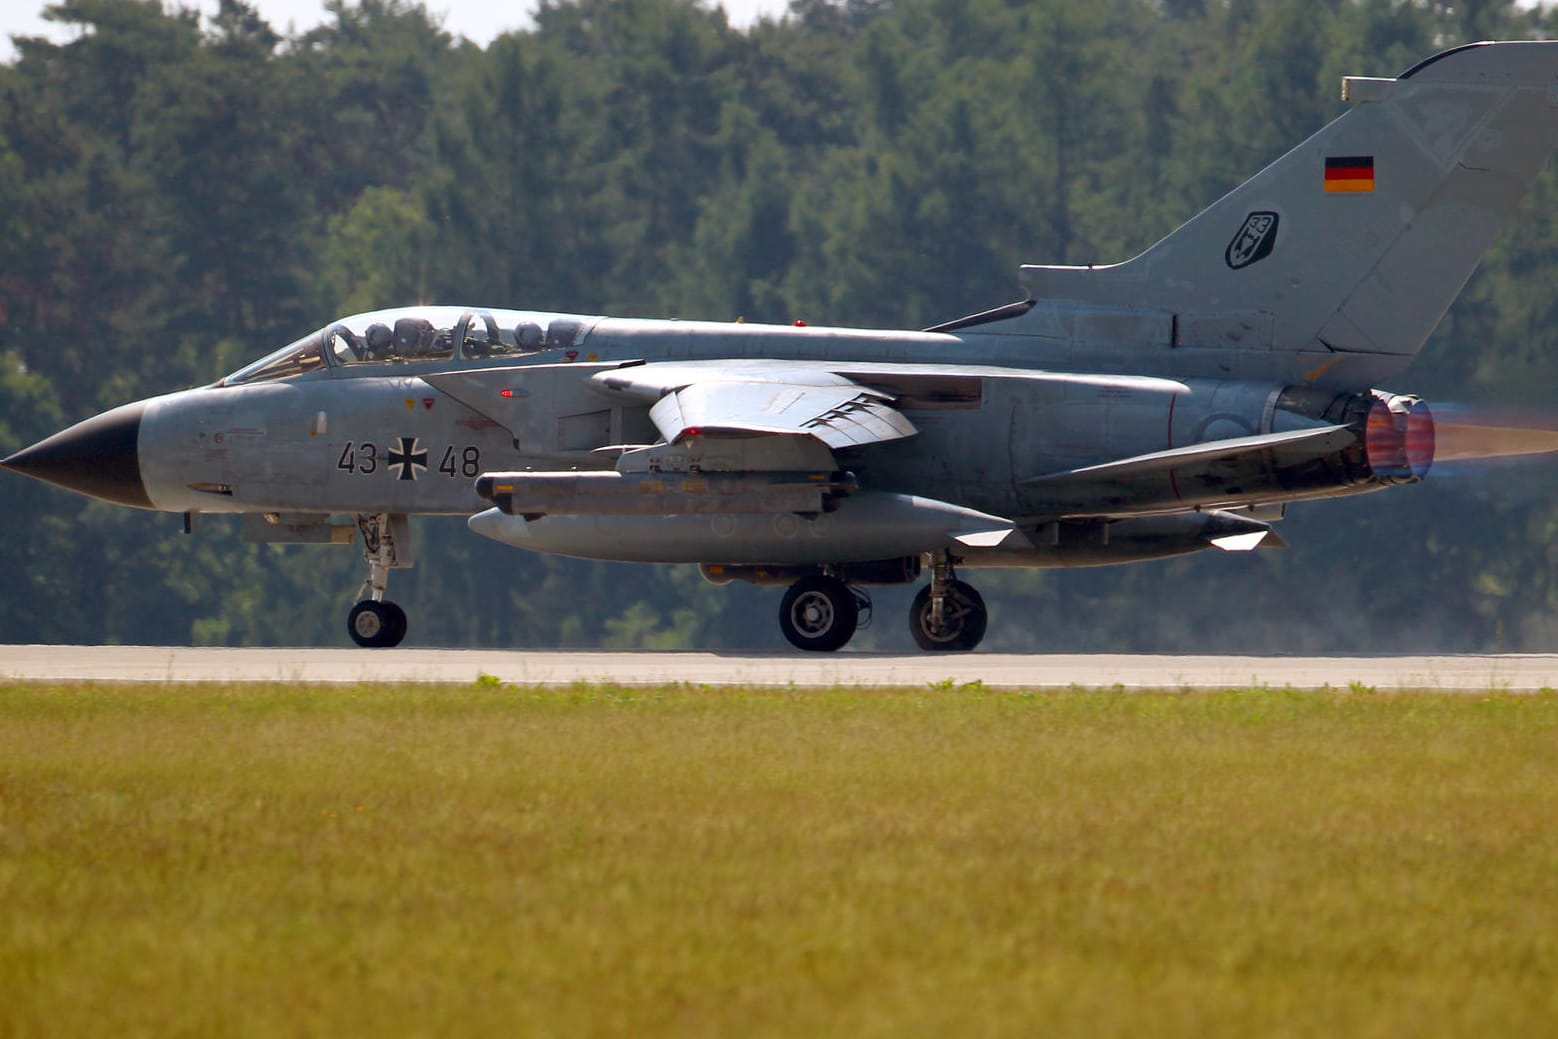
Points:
(375, 622)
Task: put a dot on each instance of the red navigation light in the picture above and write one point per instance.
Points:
(505, 393)
(799, 323)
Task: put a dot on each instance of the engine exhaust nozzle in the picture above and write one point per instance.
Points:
(1398, 438)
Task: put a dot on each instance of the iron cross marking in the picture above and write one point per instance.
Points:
(409, 458)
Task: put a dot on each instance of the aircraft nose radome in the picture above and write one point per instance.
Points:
(98, 457)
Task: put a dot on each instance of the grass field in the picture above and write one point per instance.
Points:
(261, 861)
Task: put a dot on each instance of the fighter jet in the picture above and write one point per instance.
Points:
(1169, 404)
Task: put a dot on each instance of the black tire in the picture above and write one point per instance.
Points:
(963, 620)
(819, 614)
(399, 624)
(376, 625)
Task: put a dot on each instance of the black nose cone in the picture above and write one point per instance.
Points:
(98, 457)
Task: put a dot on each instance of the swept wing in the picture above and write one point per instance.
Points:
(796, 401)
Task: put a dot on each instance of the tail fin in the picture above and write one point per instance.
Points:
(1358, 240)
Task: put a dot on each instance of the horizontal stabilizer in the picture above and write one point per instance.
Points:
(1197, 474)
(1283, 449)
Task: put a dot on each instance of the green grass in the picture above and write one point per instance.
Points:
(719, 862)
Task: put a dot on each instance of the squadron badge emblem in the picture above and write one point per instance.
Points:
(1254, 241)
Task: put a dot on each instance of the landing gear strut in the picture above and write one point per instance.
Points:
(375, 622)
(947, 615)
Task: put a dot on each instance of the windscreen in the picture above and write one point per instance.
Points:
(294, 359)
(417, 334)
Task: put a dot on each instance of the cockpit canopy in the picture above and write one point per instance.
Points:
(411, 334)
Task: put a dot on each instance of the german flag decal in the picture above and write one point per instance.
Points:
(1349, 173)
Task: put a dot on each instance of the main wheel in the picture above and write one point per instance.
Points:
(376, 625)
(819, 613)
(963, 619)
(398, 631)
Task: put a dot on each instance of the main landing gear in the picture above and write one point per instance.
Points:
(821, 613)
(375, 622)
(947, 614)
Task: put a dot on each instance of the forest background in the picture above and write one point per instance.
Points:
(178, 197)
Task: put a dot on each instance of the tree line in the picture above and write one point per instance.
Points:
(182, 195)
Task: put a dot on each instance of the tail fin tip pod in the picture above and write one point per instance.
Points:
(1358, 239)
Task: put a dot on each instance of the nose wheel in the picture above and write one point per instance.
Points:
(376, 624)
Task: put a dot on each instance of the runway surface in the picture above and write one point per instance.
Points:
(1466, 673)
